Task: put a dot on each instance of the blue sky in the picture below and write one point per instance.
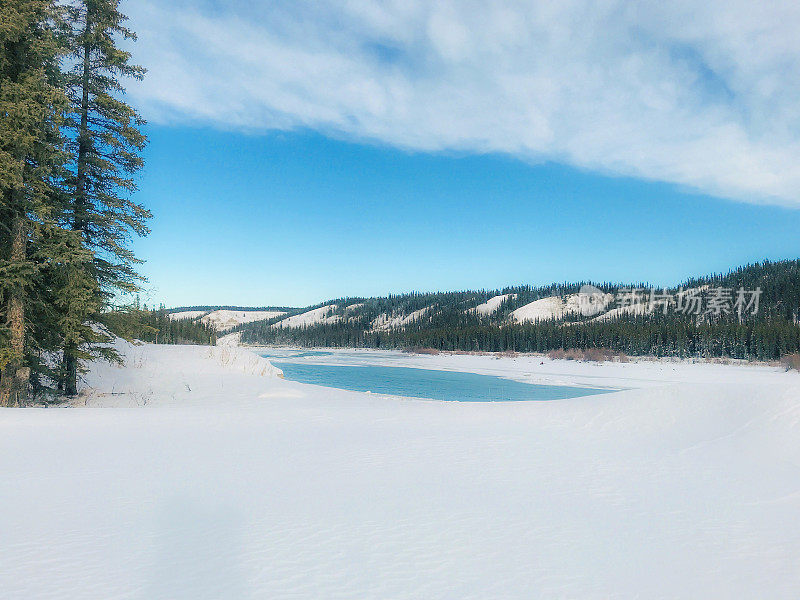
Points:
(303, 150)
(297, 218)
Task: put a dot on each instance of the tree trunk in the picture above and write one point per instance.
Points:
(70, 371)
(14, 381)
(80, 209)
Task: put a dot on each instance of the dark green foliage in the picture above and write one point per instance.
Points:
(32, 243)
(104, 145)
(155, 326)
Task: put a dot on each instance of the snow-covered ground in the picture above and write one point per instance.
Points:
(214, 478)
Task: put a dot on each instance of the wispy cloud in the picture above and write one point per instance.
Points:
(702, 94)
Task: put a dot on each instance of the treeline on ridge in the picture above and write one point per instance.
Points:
(449, 323)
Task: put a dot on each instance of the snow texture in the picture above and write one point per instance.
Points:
(215, 478)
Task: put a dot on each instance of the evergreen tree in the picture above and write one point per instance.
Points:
(31, 155)
(105, 150)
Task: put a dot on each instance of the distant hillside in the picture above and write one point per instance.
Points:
(224, 319)
(749, 312)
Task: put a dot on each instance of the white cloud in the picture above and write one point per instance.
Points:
(702, 94)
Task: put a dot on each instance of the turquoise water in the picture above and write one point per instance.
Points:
(426, 383)
(284, 354)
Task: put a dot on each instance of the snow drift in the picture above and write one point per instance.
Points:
(225, 483)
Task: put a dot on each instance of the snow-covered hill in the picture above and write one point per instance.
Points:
(187, 315)
(385, 322)
(224, 320)
(555, 307)
(323, 314)
(492, 304)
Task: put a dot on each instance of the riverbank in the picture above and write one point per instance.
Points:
(539, 369)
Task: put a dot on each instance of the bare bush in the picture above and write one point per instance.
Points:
(590, 354)
(597, 354)
(791, 361)
(420, 350)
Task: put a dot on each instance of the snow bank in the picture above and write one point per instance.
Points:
(232, 339)
(156, 375)
(234, 357)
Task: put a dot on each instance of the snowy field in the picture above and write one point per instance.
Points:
(198, 473)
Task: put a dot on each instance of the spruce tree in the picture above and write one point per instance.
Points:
(105, 148)
(31, 155)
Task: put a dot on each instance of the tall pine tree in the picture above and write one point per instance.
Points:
(105, 148)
